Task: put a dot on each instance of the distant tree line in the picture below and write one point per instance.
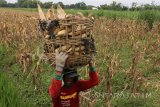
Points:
(118, 6)
(81, 5)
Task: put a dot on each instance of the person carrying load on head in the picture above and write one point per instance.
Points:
(65, 87)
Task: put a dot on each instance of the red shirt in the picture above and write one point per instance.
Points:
(69, 97)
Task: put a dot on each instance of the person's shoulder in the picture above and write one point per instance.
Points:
(80, 81)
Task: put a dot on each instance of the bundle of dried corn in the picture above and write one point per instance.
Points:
(68, 33)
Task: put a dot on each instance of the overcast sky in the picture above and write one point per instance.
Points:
(99, 2)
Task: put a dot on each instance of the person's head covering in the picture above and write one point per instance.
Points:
(70, 73)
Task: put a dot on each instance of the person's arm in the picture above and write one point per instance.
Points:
(93, 79)
(54, 89)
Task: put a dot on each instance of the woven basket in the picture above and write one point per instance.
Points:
(72, 35)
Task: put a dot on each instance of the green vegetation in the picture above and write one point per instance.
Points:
(16, 88)
(10, 96)
(150, 16)
(108, 13)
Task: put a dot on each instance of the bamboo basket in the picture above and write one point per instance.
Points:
(72, 34)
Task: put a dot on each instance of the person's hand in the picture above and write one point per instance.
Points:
(92, 62)
(92, 65)
(60, 60)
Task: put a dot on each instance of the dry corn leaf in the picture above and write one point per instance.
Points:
(60, 12)
(50, 14)
(41, 14)
(80, 14)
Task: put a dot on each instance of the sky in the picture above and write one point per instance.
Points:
(99, 2)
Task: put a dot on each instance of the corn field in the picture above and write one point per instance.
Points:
(127, 60)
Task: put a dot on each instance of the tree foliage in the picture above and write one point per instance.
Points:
(3, 3)
(80, 5)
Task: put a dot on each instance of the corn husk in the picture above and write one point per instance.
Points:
(41, 14)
